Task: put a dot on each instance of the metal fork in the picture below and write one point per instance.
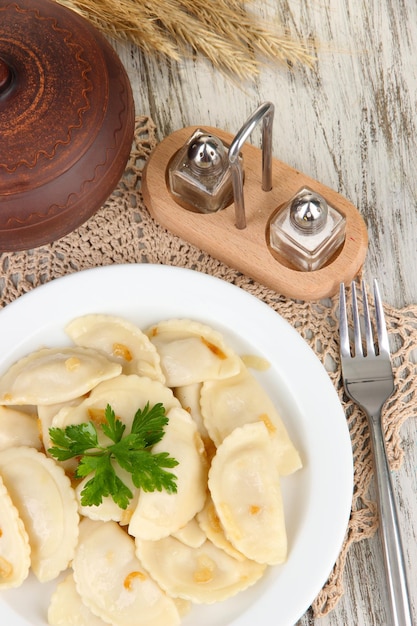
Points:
(368, 380)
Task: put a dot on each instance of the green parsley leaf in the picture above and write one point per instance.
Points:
(148, 470)
(149, 423)
(73, 441)
(114, 428)
(105, 482)
(132, 452)
(86, 466)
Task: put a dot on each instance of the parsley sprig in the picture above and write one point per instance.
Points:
(132, 452)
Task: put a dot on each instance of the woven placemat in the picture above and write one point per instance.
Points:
(122, 231)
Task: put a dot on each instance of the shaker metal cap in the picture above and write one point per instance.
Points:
(206, 154)
(308, 211)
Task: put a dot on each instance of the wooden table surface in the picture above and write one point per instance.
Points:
(350, 122)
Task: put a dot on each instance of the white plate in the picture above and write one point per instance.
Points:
(317, 498)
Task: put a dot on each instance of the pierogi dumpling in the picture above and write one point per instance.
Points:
(211, 526)
(191, 352)
(18, 429)
(232, 402)
(189, 396)
(53, 375)
(244, 486)
(46, 503)
(202, 575)
(121, 340)
(160, 513)
(14, 543)
(113, 583)
(46, 414)
(67, 608)
(125, 394)
(191, 534)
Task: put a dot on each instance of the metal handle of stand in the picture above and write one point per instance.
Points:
(264, 113)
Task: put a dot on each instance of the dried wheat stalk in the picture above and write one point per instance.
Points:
(231, 37)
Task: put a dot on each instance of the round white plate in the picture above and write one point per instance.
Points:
(317, 498)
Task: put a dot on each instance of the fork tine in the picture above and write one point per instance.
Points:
(343, 324)
(370, 346)
(356, 323)
(381, 327)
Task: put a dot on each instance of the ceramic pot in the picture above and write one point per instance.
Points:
(66, 122)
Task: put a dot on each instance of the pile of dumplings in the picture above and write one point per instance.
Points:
(147, 564)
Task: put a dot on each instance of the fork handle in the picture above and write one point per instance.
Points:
(389, 528)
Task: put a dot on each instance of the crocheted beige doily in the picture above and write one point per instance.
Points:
(122, 231)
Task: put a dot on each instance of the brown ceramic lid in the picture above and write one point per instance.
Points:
(66, 122)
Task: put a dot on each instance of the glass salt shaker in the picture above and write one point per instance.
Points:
(307, 231)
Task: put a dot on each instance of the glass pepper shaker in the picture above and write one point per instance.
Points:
(199, 175)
